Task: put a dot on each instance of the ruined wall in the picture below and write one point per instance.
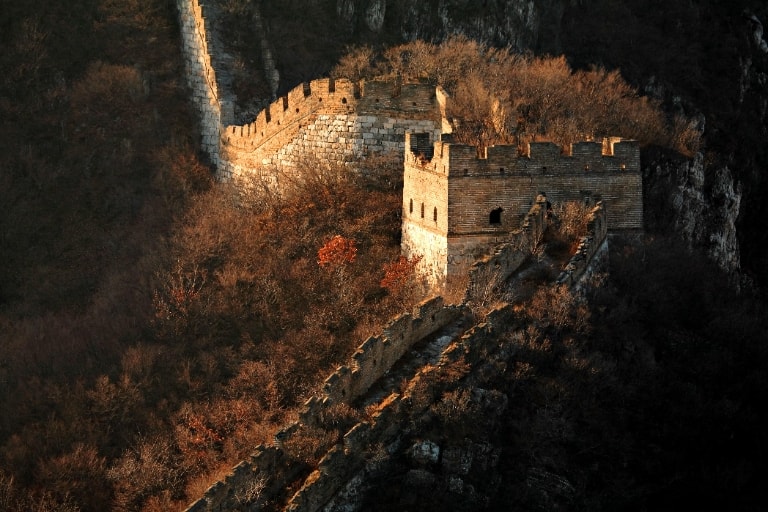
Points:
(255, 481)
(344, 466)
(269, 470)
(333, 121)
(506, 257)
(201, 76)
(343, 470)
(595, 240)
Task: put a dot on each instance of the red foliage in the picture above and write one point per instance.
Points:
(398, 273)
(336, 252)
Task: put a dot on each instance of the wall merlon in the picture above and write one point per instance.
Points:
(544, 151)
(505, 153)
(628, 153)
(586, 149)
(332, 379)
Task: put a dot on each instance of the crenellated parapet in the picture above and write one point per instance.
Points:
(376, 355)
(270, 470)
(544, 158)
(334, 96)
(334, 121)
(304, 100)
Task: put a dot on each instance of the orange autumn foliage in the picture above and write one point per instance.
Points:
(336, 252)
(399, 273)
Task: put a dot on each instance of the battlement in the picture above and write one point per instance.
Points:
(327, 96)
(462, 160)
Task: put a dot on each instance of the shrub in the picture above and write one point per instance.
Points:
(403, 282)
(337, 252)
(500, 98)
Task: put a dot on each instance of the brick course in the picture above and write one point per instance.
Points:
(460, 186)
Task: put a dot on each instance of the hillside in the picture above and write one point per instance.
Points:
(156, 326)
(702, 60)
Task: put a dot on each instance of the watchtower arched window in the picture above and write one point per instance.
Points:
(422, 210)
(495, 216)
(410, 207)
(434, 214)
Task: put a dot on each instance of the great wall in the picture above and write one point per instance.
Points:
(331, 120)
(254, 483)
(457, 205)
(483, 230)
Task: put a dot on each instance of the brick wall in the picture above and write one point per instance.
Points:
(200, 74)
(594, 241)
(333, 121)
(269, 466)
(476, 199)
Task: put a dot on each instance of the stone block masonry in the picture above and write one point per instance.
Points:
(506, 257)
(595, 240)
(201, 76)
(460, 202)
(269, 469)
(333, 121)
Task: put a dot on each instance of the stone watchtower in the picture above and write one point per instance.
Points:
(459, 202)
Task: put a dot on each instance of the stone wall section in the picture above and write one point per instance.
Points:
(460, 201)
(201, 75)
(347, 464)
(376, 355)
(594, 242)
(253, 482)
(506, 257)
(268, 469)
(503, 179)
(334, 121)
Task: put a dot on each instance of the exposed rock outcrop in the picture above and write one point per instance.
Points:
(757, 33)
(515, 23)
(700, 202)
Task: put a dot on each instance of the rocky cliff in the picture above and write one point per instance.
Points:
(520, 24)
(699, 200)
